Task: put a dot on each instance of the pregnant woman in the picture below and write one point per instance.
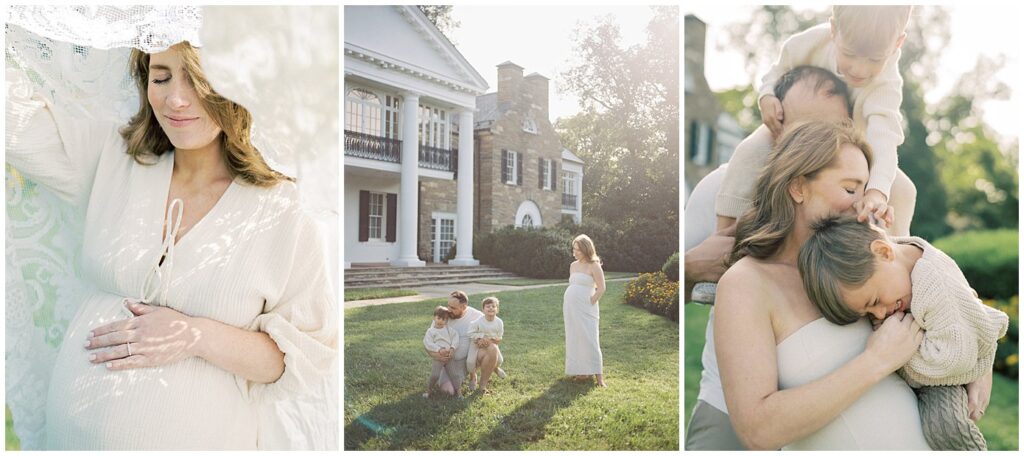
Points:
(210, 291)
(581, 312)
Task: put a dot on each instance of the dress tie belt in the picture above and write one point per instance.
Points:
(157, 284)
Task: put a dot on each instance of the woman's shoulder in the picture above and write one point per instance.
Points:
(747, 276)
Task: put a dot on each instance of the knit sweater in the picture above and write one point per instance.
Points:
(481, 328)
(876, 107)
(255, 261)
(437, 339)
(960, 335)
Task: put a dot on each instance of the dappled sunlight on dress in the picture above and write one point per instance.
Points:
(582, 335)
(254, 261)
(883, 418)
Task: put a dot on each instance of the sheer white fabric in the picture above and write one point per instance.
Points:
(285, 72)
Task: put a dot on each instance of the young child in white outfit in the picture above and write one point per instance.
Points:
(851, 269)
(861, 45)
(443, 339)
(488, 327)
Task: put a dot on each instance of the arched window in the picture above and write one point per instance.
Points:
(528, 215)
(365, 113)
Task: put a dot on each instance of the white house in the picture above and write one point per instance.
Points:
(406, 89)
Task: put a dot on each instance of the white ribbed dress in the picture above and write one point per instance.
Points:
(255, 261)
(582, 332)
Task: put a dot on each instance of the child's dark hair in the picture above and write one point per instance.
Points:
(443, 312)
(837, 254)
(820, 76)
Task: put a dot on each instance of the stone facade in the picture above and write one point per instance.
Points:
(519, 100)
(435, 196)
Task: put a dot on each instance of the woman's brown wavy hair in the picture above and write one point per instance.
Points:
(146, 139)
(804, 150)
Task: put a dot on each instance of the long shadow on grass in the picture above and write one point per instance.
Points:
(527, 423)
(401, 423)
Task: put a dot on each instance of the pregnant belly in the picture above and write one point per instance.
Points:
(189, 404)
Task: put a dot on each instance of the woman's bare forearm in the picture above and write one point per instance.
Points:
(252, 355)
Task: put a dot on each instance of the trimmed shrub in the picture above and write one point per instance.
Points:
(988, 260)
(538, 253)
(671, 267)
(655, 293)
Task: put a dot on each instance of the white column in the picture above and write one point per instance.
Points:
(407, 192)
(579, 197)
(464, 191)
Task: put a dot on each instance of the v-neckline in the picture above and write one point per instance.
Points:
(165, 222)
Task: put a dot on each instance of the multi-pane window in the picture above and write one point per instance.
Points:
(435, 127)
(568, 183)
(365, 113)
(511, 167)
(547, 173)
(442, 237)
(377, 215)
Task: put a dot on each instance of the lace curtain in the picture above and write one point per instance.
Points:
(285, 71)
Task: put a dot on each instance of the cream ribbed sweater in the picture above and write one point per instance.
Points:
(876, 107)
(439, 338)
(255, 261)
(960, 331)
(481, 328)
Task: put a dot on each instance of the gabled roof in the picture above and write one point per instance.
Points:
(567, 155)
(401, 36)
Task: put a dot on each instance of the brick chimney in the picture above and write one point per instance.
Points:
(537, 85)
(696, 36)
(510, 81)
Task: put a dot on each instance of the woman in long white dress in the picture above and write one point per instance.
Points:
(210, 291)
(581, 312)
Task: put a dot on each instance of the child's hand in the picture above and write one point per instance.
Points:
(874, 202)
(771, 114)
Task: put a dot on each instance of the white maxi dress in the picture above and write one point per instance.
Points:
(582, 335)
(255, 261)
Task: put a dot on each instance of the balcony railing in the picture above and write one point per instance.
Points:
(568, 201)
(372, 147)
(437, 158)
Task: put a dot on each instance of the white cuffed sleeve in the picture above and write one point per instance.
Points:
(52, 149)
(303, 321)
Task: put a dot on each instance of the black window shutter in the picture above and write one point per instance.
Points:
(540, 173)
(519, 168)
(554, 176)
(392, 217)
(364, 216)
(504, 166)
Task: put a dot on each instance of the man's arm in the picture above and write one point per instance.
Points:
(706, 261)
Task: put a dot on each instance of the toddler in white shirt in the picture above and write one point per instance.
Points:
(443, 339)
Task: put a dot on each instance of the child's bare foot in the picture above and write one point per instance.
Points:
(600, 381)
(501, 373)
(472, 384)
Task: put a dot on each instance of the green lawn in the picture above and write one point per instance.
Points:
(999, 425)
(358, 294)
(534, 408)
(522, 282)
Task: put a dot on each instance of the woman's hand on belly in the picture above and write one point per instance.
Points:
(155, 336)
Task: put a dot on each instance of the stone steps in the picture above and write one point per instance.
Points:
(393, 277)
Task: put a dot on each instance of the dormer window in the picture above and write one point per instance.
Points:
(530, 126)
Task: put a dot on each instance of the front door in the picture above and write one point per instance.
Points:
(442, 236)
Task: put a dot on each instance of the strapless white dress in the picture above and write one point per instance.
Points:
(582, 336)
(884, 418)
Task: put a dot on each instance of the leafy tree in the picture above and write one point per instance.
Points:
(628, 129)
(441, 16)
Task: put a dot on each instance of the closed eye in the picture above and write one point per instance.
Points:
(162, 81)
